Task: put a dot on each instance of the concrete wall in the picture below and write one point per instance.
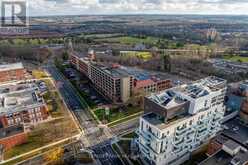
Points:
(125, 89)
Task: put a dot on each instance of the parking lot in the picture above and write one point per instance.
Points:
(86, 89)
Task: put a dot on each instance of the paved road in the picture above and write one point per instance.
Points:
(79, 109)
(106, 154)
(93, 135)
(125, 127)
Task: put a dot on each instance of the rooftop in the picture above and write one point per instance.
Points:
(18, 98)
(114, 71)
(159, 122)
(172, 97)
(236, 131)
(13, 66)
(224, 158)
(10, 131)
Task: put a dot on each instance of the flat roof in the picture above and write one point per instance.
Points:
(171, 97)
(223, 158)
(115, 72)
(18, 98)
(12, 66)
(11, 131)
(158, 121)
(236, 131)
(220, 158)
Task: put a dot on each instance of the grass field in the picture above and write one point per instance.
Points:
(236, 58)
(141, 55)
(43, 135)
(132, 40)
(38, 74)
(116, 114)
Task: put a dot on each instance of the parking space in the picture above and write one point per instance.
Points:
(86, 89)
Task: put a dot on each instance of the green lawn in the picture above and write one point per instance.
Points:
(116, 113)
(132, 40)
(236, 58)
(130, 135)
(38, 74)
(33, 142)
(147, 40)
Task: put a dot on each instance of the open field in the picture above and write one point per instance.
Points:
(38, 74)
(132, 40)
(236, 58)
(138, 54)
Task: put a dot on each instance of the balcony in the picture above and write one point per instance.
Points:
(202, 130)
(145, 136)
(178, 144)
(190, 132)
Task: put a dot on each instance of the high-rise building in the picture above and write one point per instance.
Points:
(179, 120)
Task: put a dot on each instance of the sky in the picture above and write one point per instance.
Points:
(88, 7)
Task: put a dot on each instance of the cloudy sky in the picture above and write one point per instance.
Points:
(71, 7)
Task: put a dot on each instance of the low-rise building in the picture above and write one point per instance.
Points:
(21, 103)
(230, 153)
(179, 120)
(12, 136)
(10, 72)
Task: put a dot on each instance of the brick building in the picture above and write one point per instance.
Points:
(10, 72)
(116, 82)
(21, 104)
(12, 136)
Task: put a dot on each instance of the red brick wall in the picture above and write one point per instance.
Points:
(164, 84)
(4, 121)
(44, 112)
(10, 75)
(12, 141)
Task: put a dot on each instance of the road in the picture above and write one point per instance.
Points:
(106, 155)
(125, 127)
(94, 137)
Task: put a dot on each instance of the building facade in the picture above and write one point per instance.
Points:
(12, 136)
(10, 72)
(179, 120)
(115, 82)
(21, 104)
(111, 82)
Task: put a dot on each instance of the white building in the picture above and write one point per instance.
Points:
(179, 120)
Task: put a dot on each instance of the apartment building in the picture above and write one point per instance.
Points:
(10, 72)
(21, 103)
(111, 82)
(117, 82)
(179, 120)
